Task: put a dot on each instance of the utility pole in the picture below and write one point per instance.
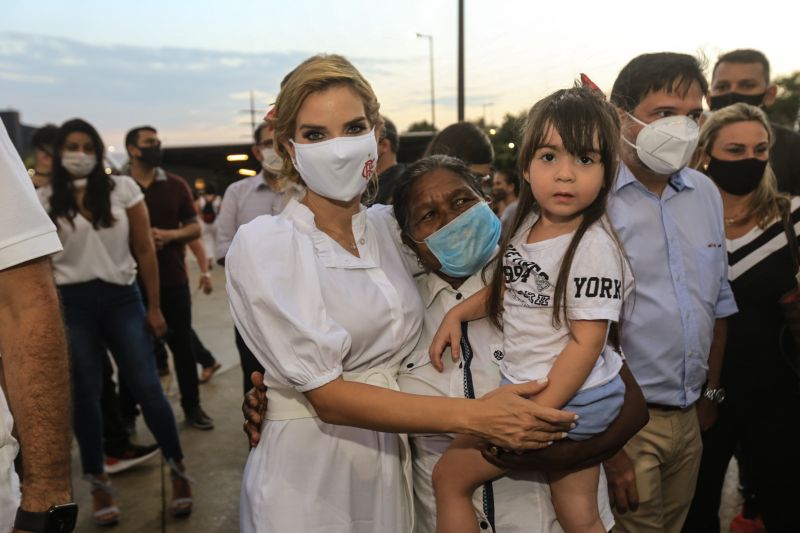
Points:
(460, 60)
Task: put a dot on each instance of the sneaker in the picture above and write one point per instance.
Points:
(197, 418)
(130, 457)
(740, 524)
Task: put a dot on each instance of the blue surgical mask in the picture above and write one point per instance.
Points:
(467, 242)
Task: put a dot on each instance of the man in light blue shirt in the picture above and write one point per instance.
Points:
(669, 219)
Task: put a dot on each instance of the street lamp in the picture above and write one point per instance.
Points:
(433, 97)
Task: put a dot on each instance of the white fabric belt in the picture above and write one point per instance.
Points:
(288, 404)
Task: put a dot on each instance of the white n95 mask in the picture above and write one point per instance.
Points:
(339, 168)
(666, 145)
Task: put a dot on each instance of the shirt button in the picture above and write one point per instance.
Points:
(362, 241)
(410, 365)
(458, 296)
(484, 524)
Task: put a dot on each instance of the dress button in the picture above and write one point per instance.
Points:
(484, 524)
(458, 296)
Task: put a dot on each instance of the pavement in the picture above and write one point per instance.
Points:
(214, 459)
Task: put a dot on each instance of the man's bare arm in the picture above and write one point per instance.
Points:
(37, 381)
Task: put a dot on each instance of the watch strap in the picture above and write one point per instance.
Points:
(30, 521)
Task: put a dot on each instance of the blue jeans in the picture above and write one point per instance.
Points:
(99, 315)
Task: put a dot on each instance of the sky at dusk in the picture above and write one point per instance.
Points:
(188, 67)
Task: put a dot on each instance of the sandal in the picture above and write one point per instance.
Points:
(208, 371)
(108, 515)
(181, 505)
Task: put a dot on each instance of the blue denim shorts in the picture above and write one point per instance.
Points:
(596, 407)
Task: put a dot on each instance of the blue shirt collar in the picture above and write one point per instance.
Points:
(679, 181)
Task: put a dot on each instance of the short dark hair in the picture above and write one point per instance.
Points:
(649, 73)
(390, 133)
(744, 55)
(45, 137)
(512, 178)
(258, 130)
(132, 137)
(463, 140)
(418, 169)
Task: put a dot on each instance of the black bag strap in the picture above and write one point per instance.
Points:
(791, 236)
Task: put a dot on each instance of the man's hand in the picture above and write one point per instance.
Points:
(162, 237)
(156, 322)
(707, 413)
(254, 408)
(622, 491)
(205, 284)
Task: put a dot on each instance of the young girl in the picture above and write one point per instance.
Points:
(560, 281)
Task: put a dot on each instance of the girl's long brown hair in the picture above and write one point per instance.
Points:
(584, 120)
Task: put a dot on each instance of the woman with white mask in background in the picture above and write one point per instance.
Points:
(323, 295)
(103, 223)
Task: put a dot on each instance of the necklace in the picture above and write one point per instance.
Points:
(347, 242)
(738, 219)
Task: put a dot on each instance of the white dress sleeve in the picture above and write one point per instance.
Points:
(277, 305)
(128, 191)
(598, 278)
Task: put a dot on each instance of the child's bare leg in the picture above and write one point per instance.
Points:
(574, 498)
(460, 471)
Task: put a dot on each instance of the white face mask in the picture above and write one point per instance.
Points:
(78, 164)
(339, 168)
(270, 161)
(666, 145)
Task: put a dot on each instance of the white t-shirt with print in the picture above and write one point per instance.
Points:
(102, 253)
(600, 279)
(26, 233)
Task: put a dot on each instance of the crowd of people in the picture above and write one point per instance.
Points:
(581, 343)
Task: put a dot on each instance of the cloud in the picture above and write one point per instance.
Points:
(181, 91)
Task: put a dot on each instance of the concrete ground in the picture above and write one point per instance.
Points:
(215, 459)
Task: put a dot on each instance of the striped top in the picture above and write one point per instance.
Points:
(760, 272)
(757, 245)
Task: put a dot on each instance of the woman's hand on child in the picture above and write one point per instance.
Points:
(448, 334)
(510, 420)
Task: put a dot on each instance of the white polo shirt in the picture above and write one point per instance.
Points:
(521, 501)
(26, 233)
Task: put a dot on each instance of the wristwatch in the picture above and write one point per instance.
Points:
(57, 519)
(715, 395)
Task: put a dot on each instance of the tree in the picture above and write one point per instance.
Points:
(422, 125)
(506, 140)
(786, 108)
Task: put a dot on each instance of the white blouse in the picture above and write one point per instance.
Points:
(102, 253)
(309, 311)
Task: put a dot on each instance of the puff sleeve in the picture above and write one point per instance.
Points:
(277, 305)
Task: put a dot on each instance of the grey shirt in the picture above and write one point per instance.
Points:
(245, 200)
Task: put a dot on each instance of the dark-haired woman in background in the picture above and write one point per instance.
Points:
(100, 220)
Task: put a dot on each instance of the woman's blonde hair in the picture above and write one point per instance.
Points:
(765, 201)
(315, 74)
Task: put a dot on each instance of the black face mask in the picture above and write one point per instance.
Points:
(718, 102)
(737, 177)
(151, 155)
